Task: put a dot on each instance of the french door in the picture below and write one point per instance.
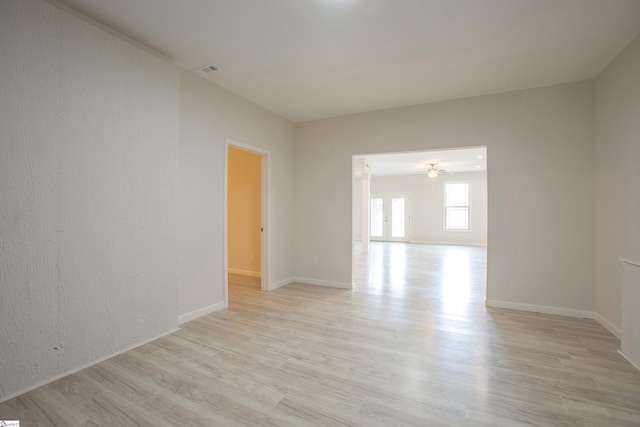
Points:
(390, 217)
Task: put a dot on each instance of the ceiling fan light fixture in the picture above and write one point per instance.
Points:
(432, 172)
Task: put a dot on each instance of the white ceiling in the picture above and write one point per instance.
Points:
(451, 161)
(309, 59)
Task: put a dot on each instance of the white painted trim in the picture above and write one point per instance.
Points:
(85, 366)
(265, 264)
(631, 261)
(608, 325)
(635, 365)
(225, 226)
(245, 272)
(307, 281)
(558, 311)
(365, 217)
(187, 317)
(541, 309)
(429, 242)
(281, 283)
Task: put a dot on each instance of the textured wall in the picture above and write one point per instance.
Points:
(540, 186)
(617, 167)
(88, 146)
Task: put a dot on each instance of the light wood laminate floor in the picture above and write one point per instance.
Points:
(411, 344)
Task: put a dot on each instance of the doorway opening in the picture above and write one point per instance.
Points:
(246, 248)
(405, 203)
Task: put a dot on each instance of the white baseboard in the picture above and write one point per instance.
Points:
(316, 282)
(85, 366)
(609, 326)
(187, 317)
(558, 311)
(541, 309)
(274, 286)
(635, 365)
(244, 272)
(428, 242)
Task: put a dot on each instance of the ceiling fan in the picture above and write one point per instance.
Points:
(432, 171)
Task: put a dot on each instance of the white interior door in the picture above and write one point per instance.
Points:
(390, 217)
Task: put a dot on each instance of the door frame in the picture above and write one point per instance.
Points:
(265, 209)
(386, 197)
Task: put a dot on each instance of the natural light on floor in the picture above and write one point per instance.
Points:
(456, 286)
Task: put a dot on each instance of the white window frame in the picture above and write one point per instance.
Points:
(468, 206)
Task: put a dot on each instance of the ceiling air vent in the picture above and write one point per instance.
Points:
(206, 69)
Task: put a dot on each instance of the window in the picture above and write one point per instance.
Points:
(456, 206)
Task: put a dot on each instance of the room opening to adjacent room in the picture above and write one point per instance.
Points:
(420, 221)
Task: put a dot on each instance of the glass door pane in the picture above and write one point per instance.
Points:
(389, 217)
(398, 210)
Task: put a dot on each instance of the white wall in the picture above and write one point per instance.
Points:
(541, 198)
(617, 167)
(427, 206)
(208, 115)
(88, 145)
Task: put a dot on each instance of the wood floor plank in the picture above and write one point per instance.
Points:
(181, 411)
(76, 388)
(41, 407)
(306, 411)
(109, 409)
(120, 382)
(411, 344)
(411, 413)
